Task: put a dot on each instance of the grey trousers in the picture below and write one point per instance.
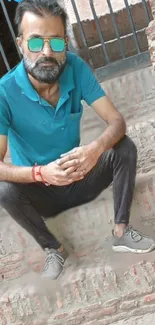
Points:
(27, 204)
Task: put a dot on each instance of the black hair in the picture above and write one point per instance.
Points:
(40, 8)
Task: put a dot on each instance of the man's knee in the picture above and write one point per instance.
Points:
(127, 149)
(8, 193)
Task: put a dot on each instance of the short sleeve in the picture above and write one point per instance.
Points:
(4, 115)
(90, 87)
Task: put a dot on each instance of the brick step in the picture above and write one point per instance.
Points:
(94, 295)
(94, 284)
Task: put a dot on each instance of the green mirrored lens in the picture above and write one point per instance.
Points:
(57, 44)
(35, 44)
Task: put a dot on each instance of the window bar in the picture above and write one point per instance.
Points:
(81, 28)
(121, 47)
(10, 25)
(99, 31)
(146, 11)
(132, 26)
(4, 57)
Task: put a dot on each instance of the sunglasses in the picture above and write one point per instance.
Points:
(36, 44)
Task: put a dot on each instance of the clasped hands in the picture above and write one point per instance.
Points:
(72, 166)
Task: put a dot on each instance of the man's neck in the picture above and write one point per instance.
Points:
(42, 87)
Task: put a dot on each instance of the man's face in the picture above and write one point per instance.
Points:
(45, 66)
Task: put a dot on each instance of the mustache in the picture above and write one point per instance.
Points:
(46, 60)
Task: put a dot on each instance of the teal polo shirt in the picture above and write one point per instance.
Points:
(37, 132)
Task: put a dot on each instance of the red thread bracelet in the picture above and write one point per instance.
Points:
(33, 174)
(40, 174)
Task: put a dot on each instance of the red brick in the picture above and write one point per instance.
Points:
(12, 258)
(22, 239)
(112, 302)
(102, 312)
(98, 292)
(151, 189)
(149, 298)
(34, 256)
(71, 321)
(59, 300)
(135, 293)
(15, 273)
(61, 316)
(133, 270)
(37, 267)
(76, 289)
(2, 318)
(37, 301)
(9, 268)
(38, 322)
(86, 310)
(81, 254)
(146, 203)
(153, 266)
(127, 305)
(8, 311)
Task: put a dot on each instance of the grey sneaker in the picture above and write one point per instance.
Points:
(133, 241)
(54, 264)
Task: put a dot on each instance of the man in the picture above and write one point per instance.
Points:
(40, 112)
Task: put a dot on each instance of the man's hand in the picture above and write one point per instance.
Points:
(84, 157)
(54, 174)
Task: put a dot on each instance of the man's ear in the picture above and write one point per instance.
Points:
(21, 50)
(19, 43)
(67, 39)
(67, 42)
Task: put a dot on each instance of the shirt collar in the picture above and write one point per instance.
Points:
(24, 83)
(66, 82)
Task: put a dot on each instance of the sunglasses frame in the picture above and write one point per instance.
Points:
(46, 39)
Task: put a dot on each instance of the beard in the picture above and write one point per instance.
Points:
(45, 73)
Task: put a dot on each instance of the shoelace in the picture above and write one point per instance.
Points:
(135, 235)
(52, 258)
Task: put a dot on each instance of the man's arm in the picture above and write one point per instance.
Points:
(12, 173)
(116, 126)
(95, 96)
(87, 156)
(52, 173)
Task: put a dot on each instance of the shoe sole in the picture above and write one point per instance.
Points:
(125, 249)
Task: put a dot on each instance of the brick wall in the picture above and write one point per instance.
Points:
(151, 35)
(107, 28)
